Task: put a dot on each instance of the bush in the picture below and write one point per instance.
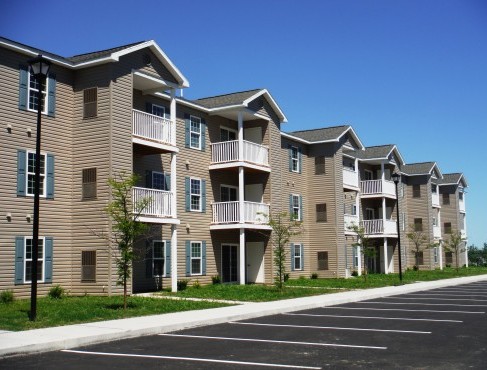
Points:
(196, 284)
(216, 279)
(448, 265)
(354, 273)
(56, 292)
(182, 284)
(314, 275)
(286, 277)
(7, 296)
(415, 268)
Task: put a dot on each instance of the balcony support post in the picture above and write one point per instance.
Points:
(172, 108)
(384, 213)
(240, 137)
(174, 258)
(241, 195)
(241, 259)
(386, 257)
(173, 185)
(440, 252)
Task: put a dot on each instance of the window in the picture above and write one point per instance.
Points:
(322, 260)
(228, 193)
(88, 184)
(448, 258)
(158, 258)
(354, 210)
(161, 181)
(401, 190)
(196, 258)
(28, 260)
(416, 191)
(88, 266)
(90, 102)
(419, 258)
(321, 212)
(403, 221)
(435, 221)
(433, 188)
(320, 168)
(418, 224)
(294, 159)
(227, 134)
(435, 254)
(295, 207)
(195, 190)
(446, 198)
(355, 257)
(33, 91)
(460, 195)
(195, 132)
(369, 175)
(297, 256)
(31, 163)
(158, 110)
(447, 227)
(369, 214)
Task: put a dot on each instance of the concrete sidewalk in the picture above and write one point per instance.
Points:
(70, 336)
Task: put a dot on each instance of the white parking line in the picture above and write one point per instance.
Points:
(330, 327)
(440, 299)
(190, 359)
(464, 291)
(429, 304)
(402, 310)
(373, 317)
(446, 294)
(273, 341)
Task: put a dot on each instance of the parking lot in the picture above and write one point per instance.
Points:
(441, 328)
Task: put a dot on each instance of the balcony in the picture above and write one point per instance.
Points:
(463, 233)
(461, 205)
(380, 227)
(227, 215)
(437, 232)
(159, 209)
(226, 154)
(350, 220)
(154, 131)
(378, 188)
(350, 178)
(435, 200)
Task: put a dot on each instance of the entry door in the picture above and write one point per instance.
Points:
(229, 263)
(253, 134)
(254, 255)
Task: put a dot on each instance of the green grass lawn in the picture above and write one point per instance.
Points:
(74, 310)
(248, 293)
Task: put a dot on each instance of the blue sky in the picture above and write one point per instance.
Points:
(412, 73)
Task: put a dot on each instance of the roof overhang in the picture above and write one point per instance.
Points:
(335, 140)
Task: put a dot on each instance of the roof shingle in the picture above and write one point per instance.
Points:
(321, 134)
(226, 99)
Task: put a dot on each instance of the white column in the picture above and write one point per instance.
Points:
(359, 260)
(173, 186)
(241, 187)
(386, 257)
(172, 108)
(384, 214)
(174, 258)
(242, 257)
(440, 252)
(240, 137)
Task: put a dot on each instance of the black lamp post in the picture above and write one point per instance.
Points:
(396, 177)
(39, 68)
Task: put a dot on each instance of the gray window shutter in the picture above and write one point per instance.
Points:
(354, 256)
(302, 256)
(167, 261)
(203, 257)
(51, 93)
(291, 207)
(21, 174)
(188, 258)
(292, 256)
(187, 124)
(187, 188)
(19, 260)
(290, 152)
(148, 179)
(50, 177)
(203, 195)
(203, 134)
(167, 181)
(148, 259)
(23, 81)
(48, 259)
(300, 162)
(301, 208)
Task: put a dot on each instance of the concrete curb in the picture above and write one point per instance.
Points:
(64, 337)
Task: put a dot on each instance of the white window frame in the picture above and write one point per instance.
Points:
(354, 210)
(435, 254)
(192, 258)
(163, 179)
(27, 279)
(373, 213)
(299, 247)
(163, 259)
(31, 90)
(435, 222)
(155, 107)
(370, 173)
(294, 207)
(191, 195)
(224, 128)
(42, 190)
(294, 160)
(356, 257)
(191, 132)
(230, 187)
(403, 221)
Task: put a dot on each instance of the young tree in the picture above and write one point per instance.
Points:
(282, 231)
(455, 245)
(126, 228)
(419, 239)
(365, 246)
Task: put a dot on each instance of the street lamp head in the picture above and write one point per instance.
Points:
(396, 177)
(39, 66)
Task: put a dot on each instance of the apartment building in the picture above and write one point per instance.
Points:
(213, 168)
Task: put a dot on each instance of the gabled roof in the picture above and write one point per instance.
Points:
(453, 179)
(422, 168)
(378, 152)
(323, 135)
(99, 57)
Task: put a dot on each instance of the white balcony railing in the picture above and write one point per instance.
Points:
(379, 226)
(151, 127)
(437, 232)
(160, 204)
(435, 199)
(350, 177)
(463, 233)
(227, 151)
(378, 187)
(229, 212)
(350, 220)
(461, 205)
